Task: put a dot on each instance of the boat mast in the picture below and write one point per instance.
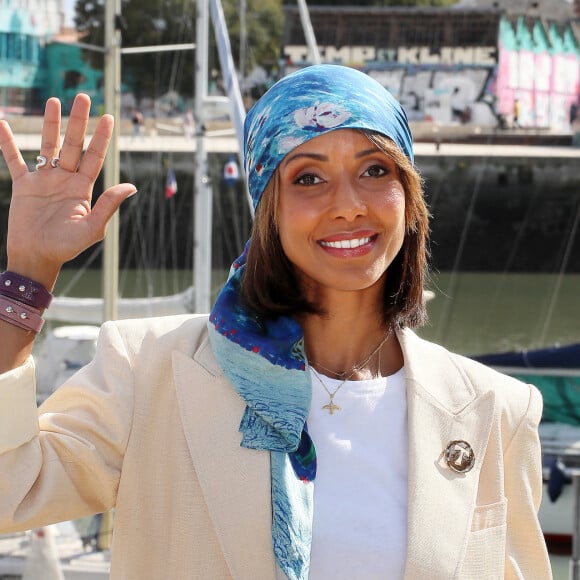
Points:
(111, 171)
(229, 73)
(313, 52)
(203, 192)
(202, 206)
(111, 167)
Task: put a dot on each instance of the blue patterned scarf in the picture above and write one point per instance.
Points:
(265, 360)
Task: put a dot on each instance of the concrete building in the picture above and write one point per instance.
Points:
(25, 28)
(35, 60)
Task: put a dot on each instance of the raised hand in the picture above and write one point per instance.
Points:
(50, 219)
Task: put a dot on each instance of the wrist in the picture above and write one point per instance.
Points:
(25, 291)
(20, 314)
(42, 274)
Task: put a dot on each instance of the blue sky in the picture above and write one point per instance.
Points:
(69, 11)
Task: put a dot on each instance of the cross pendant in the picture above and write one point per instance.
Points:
(331, 407)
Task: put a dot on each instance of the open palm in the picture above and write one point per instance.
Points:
(50, 219)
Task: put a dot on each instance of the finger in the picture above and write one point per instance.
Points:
(16, 164)
(74, 137)
(50, 144)
(94, 157)
(107, 204)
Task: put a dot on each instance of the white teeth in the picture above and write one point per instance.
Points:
(347, 244)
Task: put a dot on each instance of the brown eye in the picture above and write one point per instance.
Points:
(375, 171)
(307, 179)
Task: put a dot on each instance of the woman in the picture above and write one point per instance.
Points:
(305, 431)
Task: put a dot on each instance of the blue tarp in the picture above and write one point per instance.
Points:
(560, 389)
(561, 357)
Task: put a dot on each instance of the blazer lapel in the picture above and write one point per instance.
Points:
(442, 407)
(235, 480)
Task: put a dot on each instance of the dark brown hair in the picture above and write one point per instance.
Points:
(271, 288)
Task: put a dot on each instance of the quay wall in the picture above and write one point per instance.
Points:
(494, 208)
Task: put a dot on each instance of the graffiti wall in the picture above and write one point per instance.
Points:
(441, 94)
(529, 79)
(538, 73)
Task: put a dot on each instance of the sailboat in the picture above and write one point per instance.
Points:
(91, 312)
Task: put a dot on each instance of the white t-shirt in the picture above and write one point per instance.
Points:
(360, 491)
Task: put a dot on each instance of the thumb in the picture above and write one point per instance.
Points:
(108, 203)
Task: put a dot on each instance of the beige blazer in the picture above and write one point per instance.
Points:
(150, 427)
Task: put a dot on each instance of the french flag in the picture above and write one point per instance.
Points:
(170, 185)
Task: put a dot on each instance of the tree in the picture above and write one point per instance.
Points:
(153, 22)
(146, 23)
(265, 22)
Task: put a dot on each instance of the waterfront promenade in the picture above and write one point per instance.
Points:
(167, 135)
(224, 141)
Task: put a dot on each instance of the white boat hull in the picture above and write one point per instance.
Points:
(91, 310)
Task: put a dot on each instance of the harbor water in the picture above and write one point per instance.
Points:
(469, 312)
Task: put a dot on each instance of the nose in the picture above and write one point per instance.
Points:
(347, 201)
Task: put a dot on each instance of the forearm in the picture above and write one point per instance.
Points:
(64, 460)
(16, 346)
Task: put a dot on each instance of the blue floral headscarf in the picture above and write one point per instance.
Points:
(264, 359)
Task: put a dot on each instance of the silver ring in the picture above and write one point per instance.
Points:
(41, 161)
(55, 162)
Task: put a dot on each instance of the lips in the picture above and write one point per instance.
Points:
(349, 245)
(346, 244)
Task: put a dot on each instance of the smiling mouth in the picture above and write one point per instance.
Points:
(346, 244)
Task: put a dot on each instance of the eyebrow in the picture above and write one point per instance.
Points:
(316, 156)
(368, 152)
(319, 157)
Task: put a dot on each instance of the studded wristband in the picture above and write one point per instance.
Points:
(20, 315)
(24, 290)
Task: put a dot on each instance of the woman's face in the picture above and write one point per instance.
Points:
(341, 213)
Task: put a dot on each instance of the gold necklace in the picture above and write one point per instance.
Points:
(331, 406)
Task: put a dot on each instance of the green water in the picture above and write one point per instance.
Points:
(475, 313)
(471, 313)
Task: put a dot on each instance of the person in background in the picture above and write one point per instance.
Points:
(137, 122)
(517, 113)
(573, 113)
(188, 124)
(302, 430)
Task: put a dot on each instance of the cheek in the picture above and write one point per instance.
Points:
(395, 207)
(395, 204)
(292, 205)
(395, 193)
(294, 215)
(289, 221)
(285, 217)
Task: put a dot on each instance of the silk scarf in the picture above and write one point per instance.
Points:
(264, 359)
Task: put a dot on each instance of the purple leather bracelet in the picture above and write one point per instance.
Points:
(20, 315)
(24, 290)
